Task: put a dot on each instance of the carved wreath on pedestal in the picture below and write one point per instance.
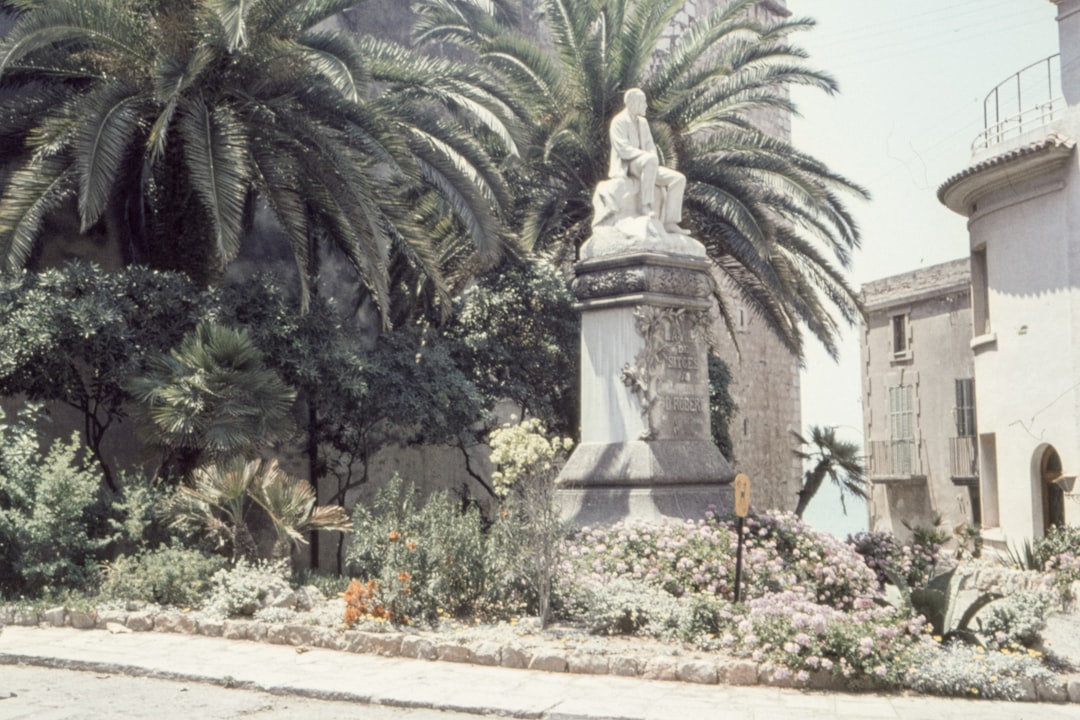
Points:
(660, 327)
(681, 282)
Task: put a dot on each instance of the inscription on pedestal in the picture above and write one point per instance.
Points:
(670, 374)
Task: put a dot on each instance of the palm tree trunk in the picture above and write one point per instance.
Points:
(810, 487)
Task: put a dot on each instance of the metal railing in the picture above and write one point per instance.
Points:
(893, 458)
(963, 458)
(1026, 100)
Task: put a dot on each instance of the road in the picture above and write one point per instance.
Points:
(34, 693)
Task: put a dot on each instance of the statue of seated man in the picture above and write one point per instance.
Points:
(633, 154)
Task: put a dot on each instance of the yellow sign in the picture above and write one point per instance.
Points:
(742, 494)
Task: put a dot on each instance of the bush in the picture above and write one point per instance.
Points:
(1059, 552)
(795, 633)
(247, 588)
(624, 607)
(1059, 539)
(914, 563)
(426, 558)
(529, 530)
(1017, 619)
(52, 527)
(963, 670)
(169, 575)
(780, 553)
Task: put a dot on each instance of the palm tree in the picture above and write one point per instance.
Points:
(838, 460)
(212, 397)
(772, 218)
(172, 120)
(217, 501)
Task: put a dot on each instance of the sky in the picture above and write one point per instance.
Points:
(913, 76)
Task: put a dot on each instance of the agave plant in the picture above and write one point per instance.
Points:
(772, 218)
(218, 501)
(939, 603)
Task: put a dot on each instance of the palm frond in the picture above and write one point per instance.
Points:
(32, 192)
(101, 143)
(215, 151)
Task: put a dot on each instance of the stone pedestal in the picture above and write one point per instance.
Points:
(646, 448)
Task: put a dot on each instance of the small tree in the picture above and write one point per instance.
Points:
(838, 460)
(518, 338)
(529, 530)
(74, 336)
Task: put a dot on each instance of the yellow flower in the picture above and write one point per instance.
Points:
(974, 690)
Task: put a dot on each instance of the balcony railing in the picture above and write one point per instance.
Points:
(963, 458)
(1026, 100)
(893, 458)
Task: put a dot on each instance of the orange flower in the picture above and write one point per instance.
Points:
(404, 577)
(394, 536)
(411, 545)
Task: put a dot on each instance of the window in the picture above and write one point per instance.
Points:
(902, 429)
(965, 407)
(900, 347)
(980, 293)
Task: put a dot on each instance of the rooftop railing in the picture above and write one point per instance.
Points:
(1028, 99)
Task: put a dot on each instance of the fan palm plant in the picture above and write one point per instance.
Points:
(772, 218)
(218, 499)
(212, 397)
(838, 460)
(170, 120)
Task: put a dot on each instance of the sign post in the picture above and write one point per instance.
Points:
(742, 507)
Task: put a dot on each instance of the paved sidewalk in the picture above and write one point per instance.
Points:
(330, 675)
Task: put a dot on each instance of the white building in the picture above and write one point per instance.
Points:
(1021, 194)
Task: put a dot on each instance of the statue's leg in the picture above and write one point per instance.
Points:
(674, 183)
(646, 170)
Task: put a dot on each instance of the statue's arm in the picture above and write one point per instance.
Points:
(620, 140)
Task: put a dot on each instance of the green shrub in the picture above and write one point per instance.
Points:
(426, 558)
(329, 585)
(169, 575)
(246, 588)
(1058, 540)
(624, 607)
(1017, 619)
(961, 670)
(52, 529)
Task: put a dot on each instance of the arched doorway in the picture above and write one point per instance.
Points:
(1053, 497)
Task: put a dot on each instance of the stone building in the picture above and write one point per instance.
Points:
(765, 375)
(918, 399)
(1021, 195)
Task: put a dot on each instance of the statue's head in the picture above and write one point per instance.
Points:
(635, 102)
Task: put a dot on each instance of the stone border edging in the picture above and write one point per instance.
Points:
(728, 671)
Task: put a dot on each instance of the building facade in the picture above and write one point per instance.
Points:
(918, 400)
(1021, 195)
